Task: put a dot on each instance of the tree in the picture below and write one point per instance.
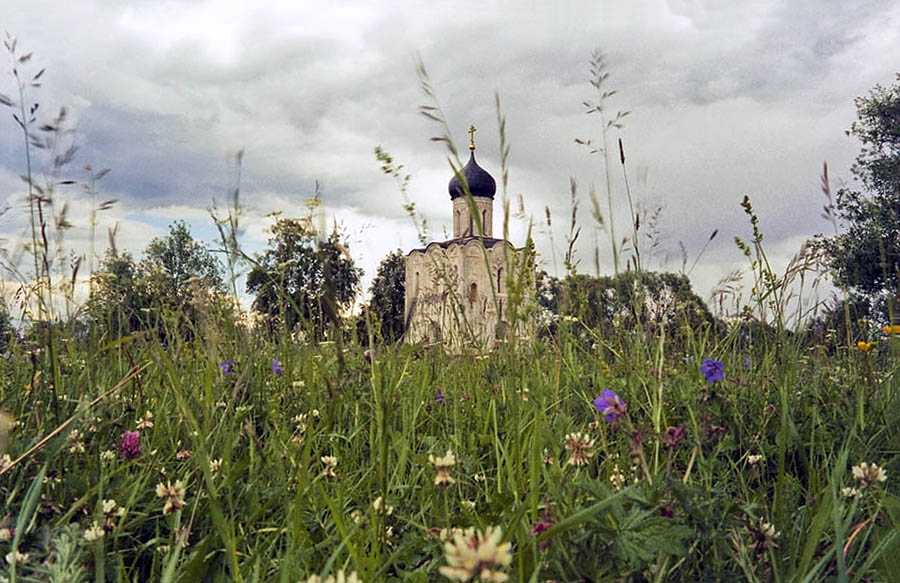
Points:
(178, 260)
(301, 279)
(865, 257)
(169, 290)
(614, 303)
(120, 301)
(389, 295)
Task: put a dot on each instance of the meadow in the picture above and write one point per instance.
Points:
(203, 448)
(237, 457)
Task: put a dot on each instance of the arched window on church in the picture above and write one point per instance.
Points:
(473, 293)
(470, 226)
(456, 225)
(499, 273)
(484, 221)
(416, 289)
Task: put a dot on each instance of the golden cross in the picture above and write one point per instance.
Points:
(472, 137)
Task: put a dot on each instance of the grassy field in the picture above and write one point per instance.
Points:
(235, 457)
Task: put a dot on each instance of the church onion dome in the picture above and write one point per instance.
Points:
(480, 182)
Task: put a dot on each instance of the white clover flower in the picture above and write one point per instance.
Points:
(94, 533)
(442, 465)
(108, 506)
(754, 459)
(868, 474)
(339, 578)
(145, 422)
(214, 465)
(471, 553)
(174, 495)
(330, 463)
(107, 456)
(381, 507)
(579, 447)
(849, 492)
(16, 557)
(5, 462)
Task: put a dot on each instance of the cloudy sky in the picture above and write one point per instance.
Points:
(726, 99)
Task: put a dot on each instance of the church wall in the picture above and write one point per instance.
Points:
(457, 300)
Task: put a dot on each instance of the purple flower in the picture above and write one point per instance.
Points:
(713, 369)
(673, 436)
(611, 405)
(439, 396)
(130, 446)
(746, 362)
(370, 354)
(227, 366)
(276, 368)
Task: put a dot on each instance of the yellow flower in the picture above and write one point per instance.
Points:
(892, 330)
(865, 346)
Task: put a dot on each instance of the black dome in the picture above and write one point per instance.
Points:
(480, 182)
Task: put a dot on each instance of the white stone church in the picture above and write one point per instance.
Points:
(456, 290)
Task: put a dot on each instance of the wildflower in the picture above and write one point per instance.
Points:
(183, 454)
(754, 459)
(107, 456)
(468, 504)
(298, 384)
(746, 362)
(341, 577)
(617, 479)
(227, 366)
(314, 413)
(442, 465)
(95, 532)
(439, 396)
(356, 516)
(868, 474)
(471, 553)
(611, 405)
(713, 369)
(16, 557)
(299, 422)
(370, 354)
(892, 330)
(543, 525)
(129, 446)
(145, 422)
(174, 495)
(849, 492)
(381, 507)
(214, 465)
(6, 534)
(673, 436)
(276, 368)
(579, 445)
(76, 445)
(330, 463)
(764, 537)
(5, 462)
(865, 346)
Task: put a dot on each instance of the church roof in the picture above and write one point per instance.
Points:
(488, 242)
(480, 182)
